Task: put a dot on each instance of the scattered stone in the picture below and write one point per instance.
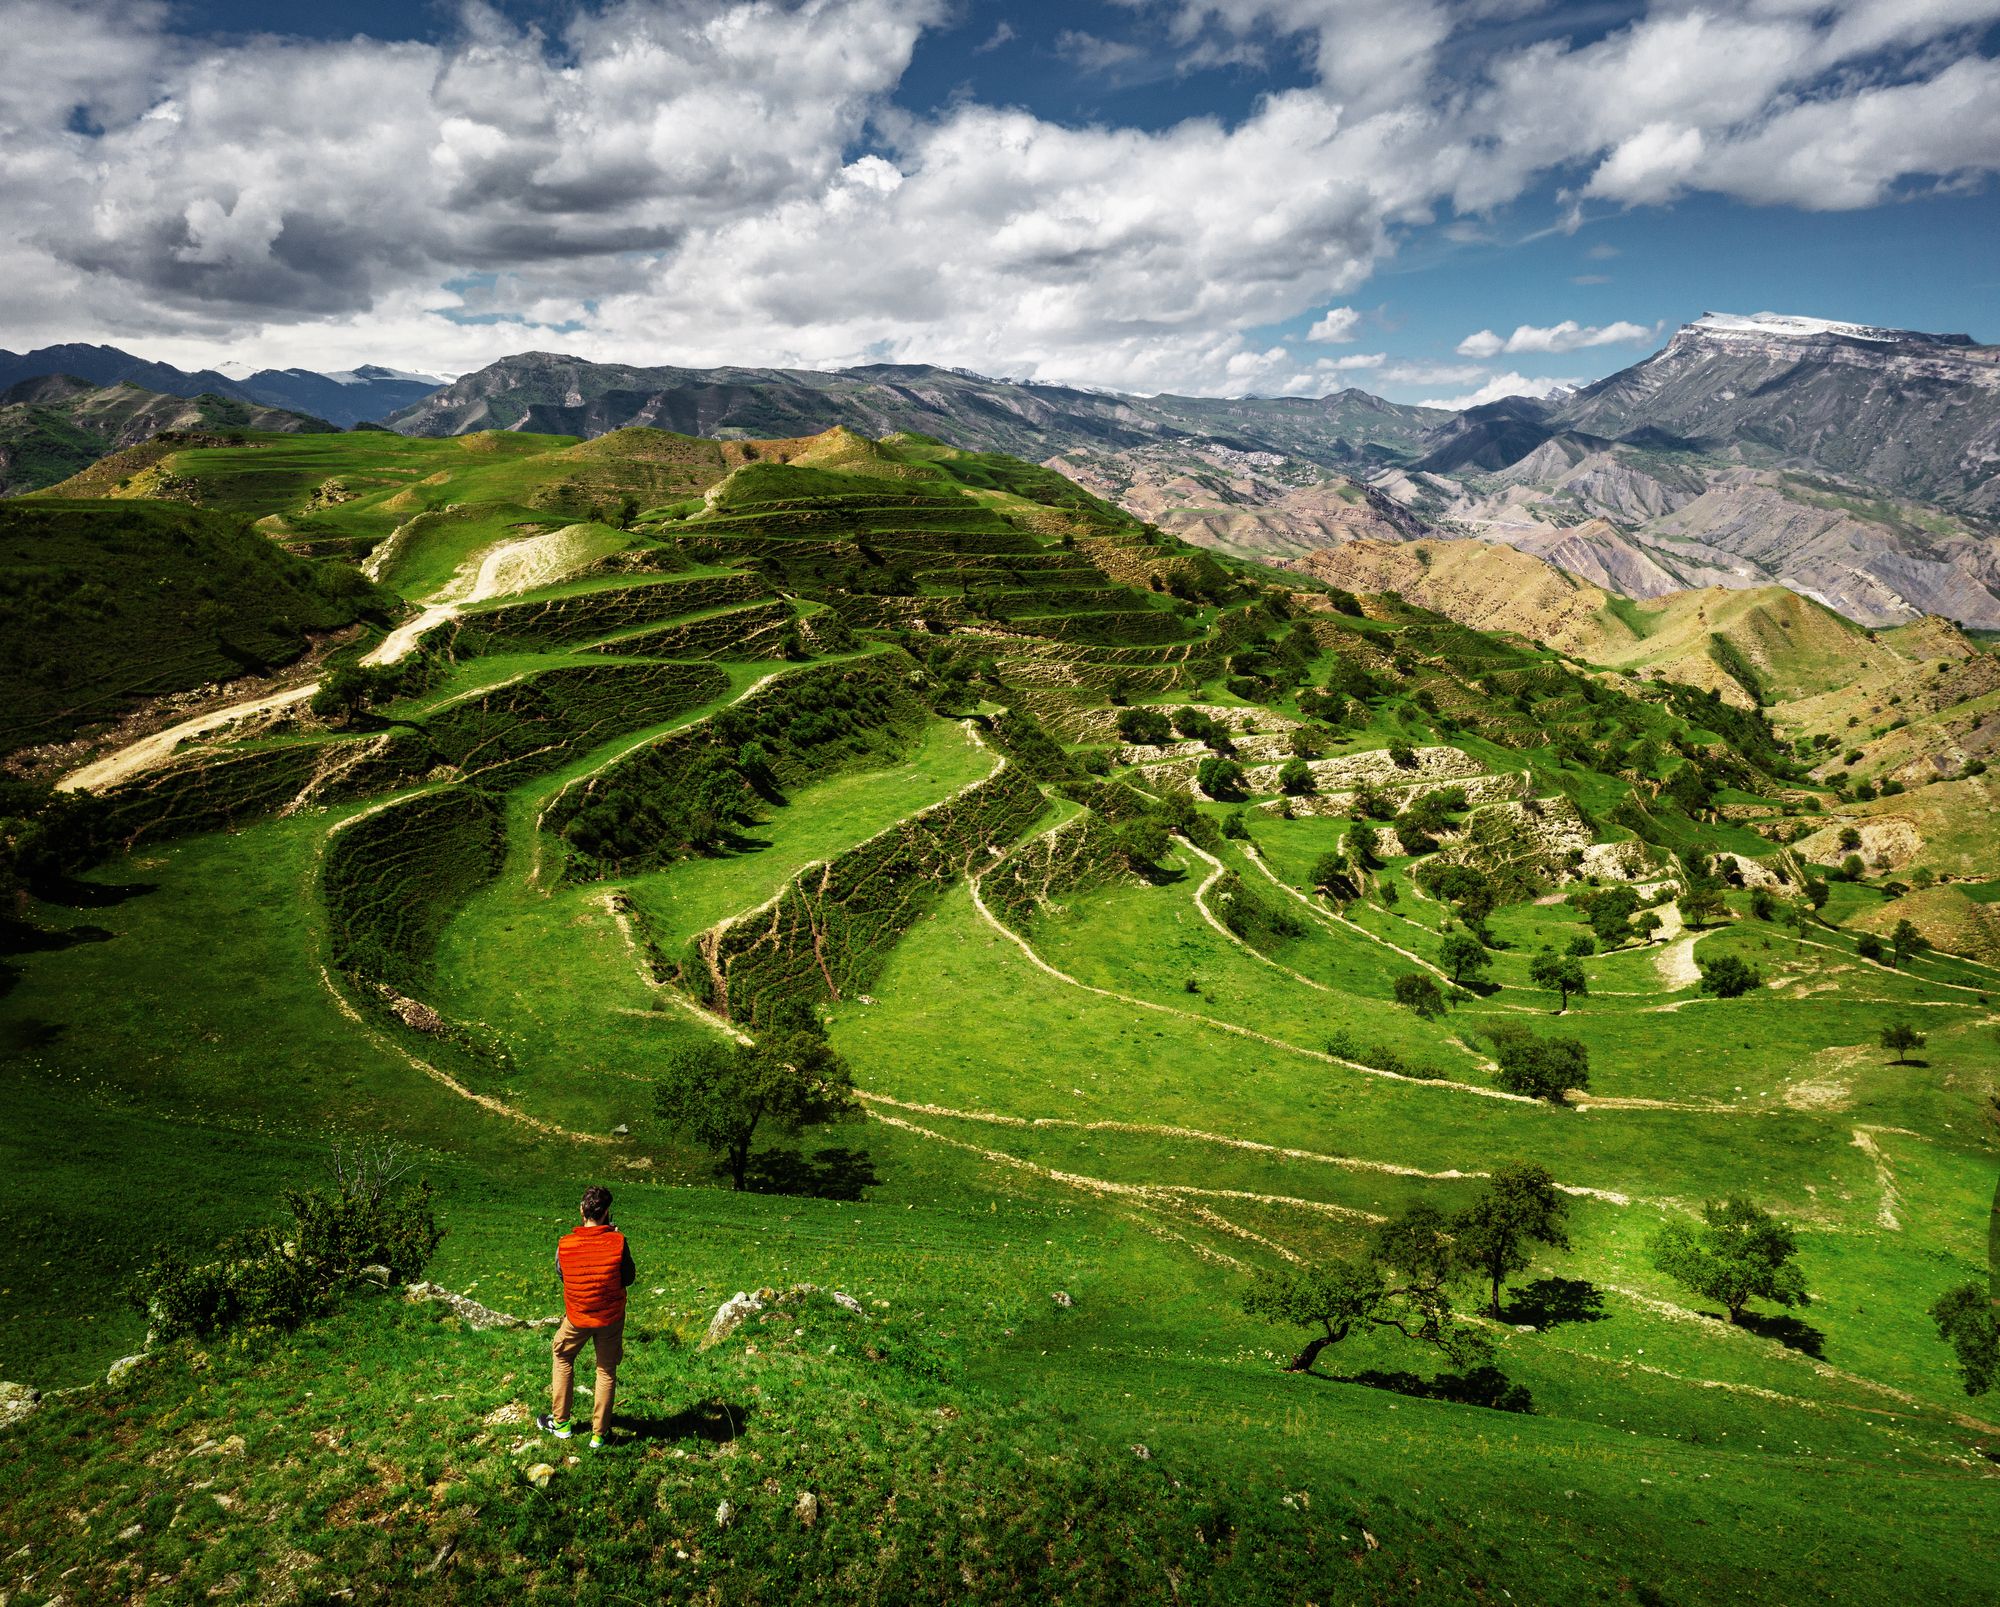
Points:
(377, 1274)
(471, 1311)
(621, 1131)
(807, 1508)
(235, 1445)
(1373, 1543)
(730, 1315)
(725, 1514)
(16, 1402)
(512, 1415)
(122, 1366)
(540, 1474)
(206, 1448)
(1061, 1298)
(847, 1302)
(1143, 1453)
(130, 1532)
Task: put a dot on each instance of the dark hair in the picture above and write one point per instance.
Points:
(597, 1202)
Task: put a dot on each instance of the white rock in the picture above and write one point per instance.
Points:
(725, 1514)
(17, 1401)
(540, 1474)
(729, 1316)
(122, 1366)
(846, 1301)
(1061, 1297)
(807, 1508)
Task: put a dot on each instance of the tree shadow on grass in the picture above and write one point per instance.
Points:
(716, 1422)
(1548, 1302)
(1476, 1386)
(71, 893)
(1788, 1331)
(833, 1173)
(23, 937)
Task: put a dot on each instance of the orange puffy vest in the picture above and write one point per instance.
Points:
(591, 1257)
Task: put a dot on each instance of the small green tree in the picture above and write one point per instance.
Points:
(1398, 1283)
(1850, 839)
(1702, 906)
(1869, 947)
(1906, 941)
(1561, 975)
(1415, 991)
(1541, 1068)
(1464, 957)
(717, 1095)
(1295, 778)
(1220, 778)
(1738, 1253)
(1968, 1321)
(1851, 868)
(1143, 842)
(1729, 977)
(1520, 1206)
(1902, 1038)
(1581, 947)
(1329, 872)
(1145, 727)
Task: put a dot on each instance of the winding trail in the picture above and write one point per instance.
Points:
(1217, 1025)
(150, 752)
(503, 570)
(1349, 1163)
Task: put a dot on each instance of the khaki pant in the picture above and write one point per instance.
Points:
(609, 1343)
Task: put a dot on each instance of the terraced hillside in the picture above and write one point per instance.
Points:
(1183, 925)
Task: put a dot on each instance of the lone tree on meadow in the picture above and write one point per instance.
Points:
(1739, 1253)
(1902, 1038)
(1398, 1282)
(1415, 991)
(1968, 1320)
(1729, 977)
(1703, 906)
(1906, 941)
(1561, 975)
(717, 1095)
(1541, 1068)
(1521, 1206)
(1465, 957)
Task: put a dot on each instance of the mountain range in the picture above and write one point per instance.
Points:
(1852, 464)
(356, 396)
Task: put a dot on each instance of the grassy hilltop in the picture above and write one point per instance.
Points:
(1032, 807)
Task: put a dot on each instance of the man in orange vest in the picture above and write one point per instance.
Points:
(595, 1264)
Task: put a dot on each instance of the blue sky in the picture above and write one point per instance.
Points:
(1221, 196)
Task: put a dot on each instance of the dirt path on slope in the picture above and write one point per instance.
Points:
(150, 752)
(511, 567)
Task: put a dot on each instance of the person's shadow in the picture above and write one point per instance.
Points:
(714, 1422)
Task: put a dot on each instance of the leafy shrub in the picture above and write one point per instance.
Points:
(1729, 977)
(274, 1278)
(1542, 1068)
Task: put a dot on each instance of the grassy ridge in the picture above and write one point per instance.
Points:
(1132, 1071)
(106, 603)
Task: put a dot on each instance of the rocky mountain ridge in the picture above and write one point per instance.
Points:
(355, 396)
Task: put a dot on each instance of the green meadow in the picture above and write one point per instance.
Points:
(1103, 1083)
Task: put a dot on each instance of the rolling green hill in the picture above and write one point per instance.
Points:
(103, 604)
(678, 741)
(54, 426)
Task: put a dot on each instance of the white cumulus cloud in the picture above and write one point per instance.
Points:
(1498, 388)
(1339, 325)
(1567, 336)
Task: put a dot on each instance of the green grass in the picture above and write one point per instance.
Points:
(193, 1023)
(103, 604)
